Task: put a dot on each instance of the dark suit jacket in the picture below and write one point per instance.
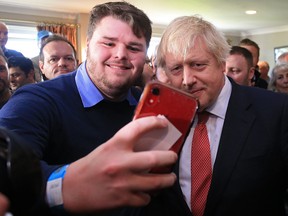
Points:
(250, 171)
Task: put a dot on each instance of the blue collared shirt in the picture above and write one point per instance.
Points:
(89, 93)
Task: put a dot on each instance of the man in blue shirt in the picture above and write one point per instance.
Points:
(75, 123)
(3, 40)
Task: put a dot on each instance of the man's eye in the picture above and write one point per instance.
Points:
(133, 48)
(70, 59)
(109, 44)
(198, 66)
(3, 69)
(175, 70)
(15, 75)
(52, 60)
(235, 71)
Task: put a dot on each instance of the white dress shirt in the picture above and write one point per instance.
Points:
(214, 128)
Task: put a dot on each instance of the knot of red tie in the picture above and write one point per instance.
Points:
(203, 117)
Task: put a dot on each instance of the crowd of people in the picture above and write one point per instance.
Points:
(77, 120)
(57, 56)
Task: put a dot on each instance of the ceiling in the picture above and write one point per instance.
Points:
(227, 15)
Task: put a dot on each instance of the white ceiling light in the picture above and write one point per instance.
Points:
(250, 12)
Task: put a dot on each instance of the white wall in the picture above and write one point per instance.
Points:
(267, 43)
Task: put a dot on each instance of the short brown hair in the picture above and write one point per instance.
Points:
(55, 37)
(136, 18)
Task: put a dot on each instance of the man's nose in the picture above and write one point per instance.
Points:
(121, 52)
(188, 77)
(2, 35)
(62, 61)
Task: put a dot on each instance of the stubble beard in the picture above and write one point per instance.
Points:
(110, 89)
(3, 86)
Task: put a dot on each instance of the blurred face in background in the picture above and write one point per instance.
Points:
(148, 73)
(4, 82)
(263, 69)
(254, 52)
(281, 82)
(3, 34)
(18, 77)
(237, 68)
(59, 59)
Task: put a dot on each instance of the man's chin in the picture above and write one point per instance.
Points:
(62, 72)
(2, 86)
(58, 73)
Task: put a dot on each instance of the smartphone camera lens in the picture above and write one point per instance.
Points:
(155, 91)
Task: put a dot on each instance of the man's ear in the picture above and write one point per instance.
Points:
(223, 65)
(87, 45)
(31, 74)
(41, 65)
(251, 72)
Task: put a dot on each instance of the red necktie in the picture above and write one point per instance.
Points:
(201, 166)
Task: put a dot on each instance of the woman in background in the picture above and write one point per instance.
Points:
(279, 79)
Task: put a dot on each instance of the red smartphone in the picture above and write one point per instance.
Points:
(176, 105)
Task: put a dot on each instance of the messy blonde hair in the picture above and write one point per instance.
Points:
(180, 35)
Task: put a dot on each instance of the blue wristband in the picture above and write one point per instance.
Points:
(54, 187)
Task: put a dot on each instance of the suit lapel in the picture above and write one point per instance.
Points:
(238, 117)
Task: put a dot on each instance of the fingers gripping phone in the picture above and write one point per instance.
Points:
(175, 105)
